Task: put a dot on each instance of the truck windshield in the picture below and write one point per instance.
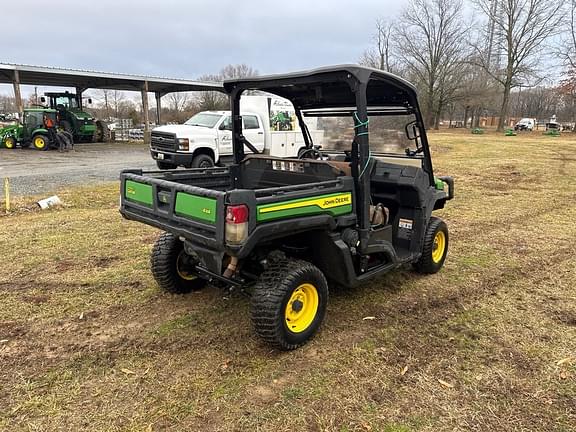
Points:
(203, 119)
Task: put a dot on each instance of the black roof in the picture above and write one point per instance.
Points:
(330, 87)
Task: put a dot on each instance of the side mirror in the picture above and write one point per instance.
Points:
(43, 99)
(412, 131)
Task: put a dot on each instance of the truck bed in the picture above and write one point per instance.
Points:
(192, 203)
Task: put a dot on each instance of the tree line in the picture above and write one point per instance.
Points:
(495, 64)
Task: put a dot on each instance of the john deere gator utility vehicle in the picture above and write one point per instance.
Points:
(33, 130)
(83, 126)
(283, 230)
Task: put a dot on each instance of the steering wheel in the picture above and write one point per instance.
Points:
(313, 153)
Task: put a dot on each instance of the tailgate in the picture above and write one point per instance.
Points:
(192, 212)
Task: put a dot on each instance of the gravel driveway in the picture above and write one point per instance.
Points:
(33, 172)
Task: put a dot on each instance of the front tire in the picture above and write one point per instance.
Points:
(171, 266)
(202, 161)
(10, 143)
(435, 247)
(289, 303)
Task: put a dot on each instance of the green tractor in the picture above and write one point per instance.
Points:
(74, 120)
(33, 130)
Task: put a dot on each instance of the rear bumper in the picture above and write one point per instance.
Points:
(179, 159)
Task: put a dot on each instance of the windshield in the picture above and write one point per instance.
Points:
(387, 133)
(203, 119)
(66, 102)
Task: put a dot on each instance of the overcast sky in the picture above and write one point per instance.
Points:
(186, 39)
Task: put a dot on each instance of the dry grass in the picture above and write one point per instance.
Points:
(90, 343)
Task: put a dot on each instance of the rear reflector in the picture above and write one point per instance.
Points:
(236, 224)
(237, 214)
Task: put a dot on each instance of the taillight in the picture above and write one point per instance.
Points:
(236, 223)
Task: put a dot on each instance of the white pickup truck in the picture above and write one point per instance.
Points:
(206, 138)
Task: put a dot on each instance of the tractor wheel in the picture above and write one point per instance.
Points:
(165, 165)
(289, 302)
(171, 266)
(202, 161)
(41, 142)
(435, 247)
(102, 133)
(10, 143)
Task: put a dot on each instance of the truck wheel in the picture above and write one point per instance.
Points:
(165, 165)
(40, 142)
(202, 161)
(10, 143)
(170, 267)
(289, 302)
(435, 247)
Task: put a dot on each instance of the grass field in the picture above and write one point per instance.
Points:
(88, 342)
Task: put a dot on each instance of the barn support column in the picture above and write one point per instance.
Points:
(145, 112)
(18, 94)
(158, 107)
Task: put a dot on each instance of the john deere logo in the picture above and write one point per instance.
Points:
(206, 211)
(336, 201)
(130, 190)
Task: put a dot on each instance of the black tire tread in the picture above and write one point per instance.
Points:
(425, 264)
(268, 296)
(162, 263)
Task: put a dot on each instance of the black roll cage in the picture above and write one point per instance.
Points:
(334, 90)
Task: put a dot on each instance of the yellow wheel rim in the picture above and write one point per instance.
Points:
(439, 246)
(301, 308)
(182, 272)
(39, 142)
(9, 143)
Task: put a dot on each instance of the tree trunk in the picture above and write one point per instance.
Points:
(466, 113)
(502, 121)
(437, 116)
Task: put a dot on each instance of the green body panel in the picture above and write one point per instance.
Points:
(334, 204)
(196, 207)
(139, 192)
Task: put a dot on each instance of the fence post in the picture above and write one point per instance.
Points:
(7, 193)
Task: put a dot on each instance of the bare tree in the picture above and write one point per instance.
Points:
(567, 46)
(381, 55)
(430, 42)
(522, 27)
(210, 100)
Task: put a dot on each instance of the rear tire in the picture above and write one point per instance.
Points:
(168, 265)
(165, 165)
(435, 247)
(202, 161)
(41, 142)
(289, 303)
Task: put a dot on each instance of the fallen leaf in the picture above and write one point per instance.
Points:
(564, 360)
(563, 375)
(369, 318)
(404, 370)
(128, 371)
(445, 383)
